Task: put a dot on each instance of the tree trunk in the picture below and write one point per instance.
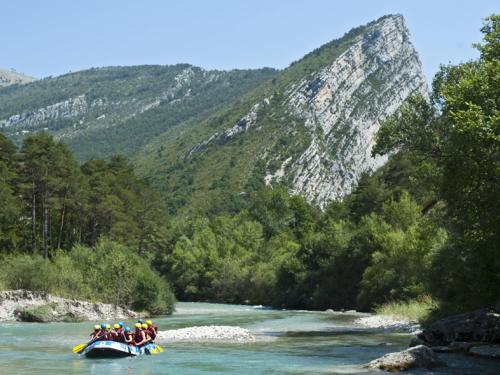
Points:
(61, 226)
(33, 218)
(44, 226)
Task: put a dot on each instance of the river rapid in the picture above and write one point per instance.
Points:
(267, 342)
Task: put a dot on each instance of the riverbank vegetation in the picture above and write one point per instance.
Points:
(77, 231)
(425, 224)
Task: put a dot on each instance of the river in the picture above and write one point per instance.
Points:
(286, 342)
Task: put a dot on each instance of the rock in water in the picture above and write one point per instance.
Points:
(416, 357)
(207, 334)
(478, 326)
(486, 351)
(32, 306)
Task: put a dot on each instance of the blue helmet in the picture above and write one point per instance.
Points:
(140, 321)
(120, 324)
(127, 329)
(103, 325)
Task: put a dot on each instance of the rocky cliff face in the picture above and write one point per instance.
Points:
(343, 105)
(320, 116)
(96, 111)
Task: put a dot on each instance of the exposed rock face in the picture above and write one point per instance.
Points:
(478, 326)
(416, 357)
(40, 306)
(343, 105)
(10, 77)
(68, 109)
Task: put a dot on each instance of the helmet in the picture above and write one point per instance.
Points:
(120, 324)
(148, 322)
(103, 325)
(127, 329)
(144, 326)
(108, 326)
(97, 327)
(140, 321)
(138, 325)
(116, 326)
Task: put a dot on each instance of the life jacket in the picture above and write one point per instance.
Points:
(138, 335)
(127, 336)
(103, 335)
(118, 335)
(152, 333)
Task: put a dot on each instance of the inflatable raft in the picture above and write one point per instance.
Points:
(113, 349)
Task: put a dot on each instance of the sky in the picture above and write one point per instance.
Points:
(52, 37)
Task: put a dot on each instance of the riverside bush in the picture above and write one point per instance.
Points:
(108, 272)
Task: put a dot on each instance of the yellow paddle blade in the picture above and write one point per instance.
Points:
(79, 348)
(160, 349)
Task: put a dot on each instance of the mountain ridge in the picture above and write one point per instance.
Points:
(311, 128)
(11, 77)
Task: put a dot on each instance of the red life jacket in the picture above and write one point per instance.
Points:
(118, 335)
(103, 335)
(152, 332)
(138, 336)
(128, 336)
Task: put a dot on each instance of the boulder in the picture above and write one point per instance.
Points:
(417, 357)
(32, 306)
(478, 326)
(486, 351)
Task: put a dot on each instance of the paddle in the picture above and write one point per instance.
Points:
(80, 347)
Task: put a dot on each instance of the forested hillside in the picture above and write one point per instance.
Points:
(104, 111)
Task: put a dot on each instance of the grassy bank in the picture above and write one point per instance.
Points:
(417, 310)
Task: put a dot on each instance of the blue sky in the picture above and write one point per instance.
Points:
(51, 37)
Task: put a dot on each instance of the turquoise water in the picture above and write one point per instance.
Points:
(288, 342)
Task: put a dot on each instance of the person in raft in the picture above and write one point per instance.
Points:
(95, 332)
(128, 336)
(140, 336)
(117, 332)
(152, 330)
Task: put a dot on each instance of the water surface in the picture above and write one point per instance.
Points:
(288, 342)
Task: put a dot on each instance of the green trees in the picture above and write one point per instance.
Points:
(51, 205)
(108, 272)
(462, 142)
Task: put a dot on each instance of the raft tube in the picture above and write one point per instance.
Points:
(113, 349)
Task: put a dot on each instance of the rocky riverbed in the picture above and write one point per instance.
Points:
(230, 334)
(24, 305)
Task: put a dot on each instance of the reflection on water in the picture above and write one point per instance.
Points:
(291, 342)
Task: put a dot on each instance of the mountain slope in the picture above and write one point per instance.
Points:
(311, 128)
(10, 77)
(99, 112)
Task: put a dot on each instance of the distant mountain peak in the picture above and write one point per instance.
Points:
(11, 77)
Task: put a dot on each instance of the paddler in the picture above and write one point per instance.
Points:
(128, 335)
(152, 329)
(94, 334)
(116, 333)
(145, 329)
(139, 335)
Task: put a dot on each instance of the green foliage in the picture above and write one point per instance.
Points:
(462, 143)
(405, 244)
(108, 272)
(126, 107)
(417, 310)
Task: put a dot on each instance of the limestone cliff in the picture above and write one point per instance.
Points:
(319, 117)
